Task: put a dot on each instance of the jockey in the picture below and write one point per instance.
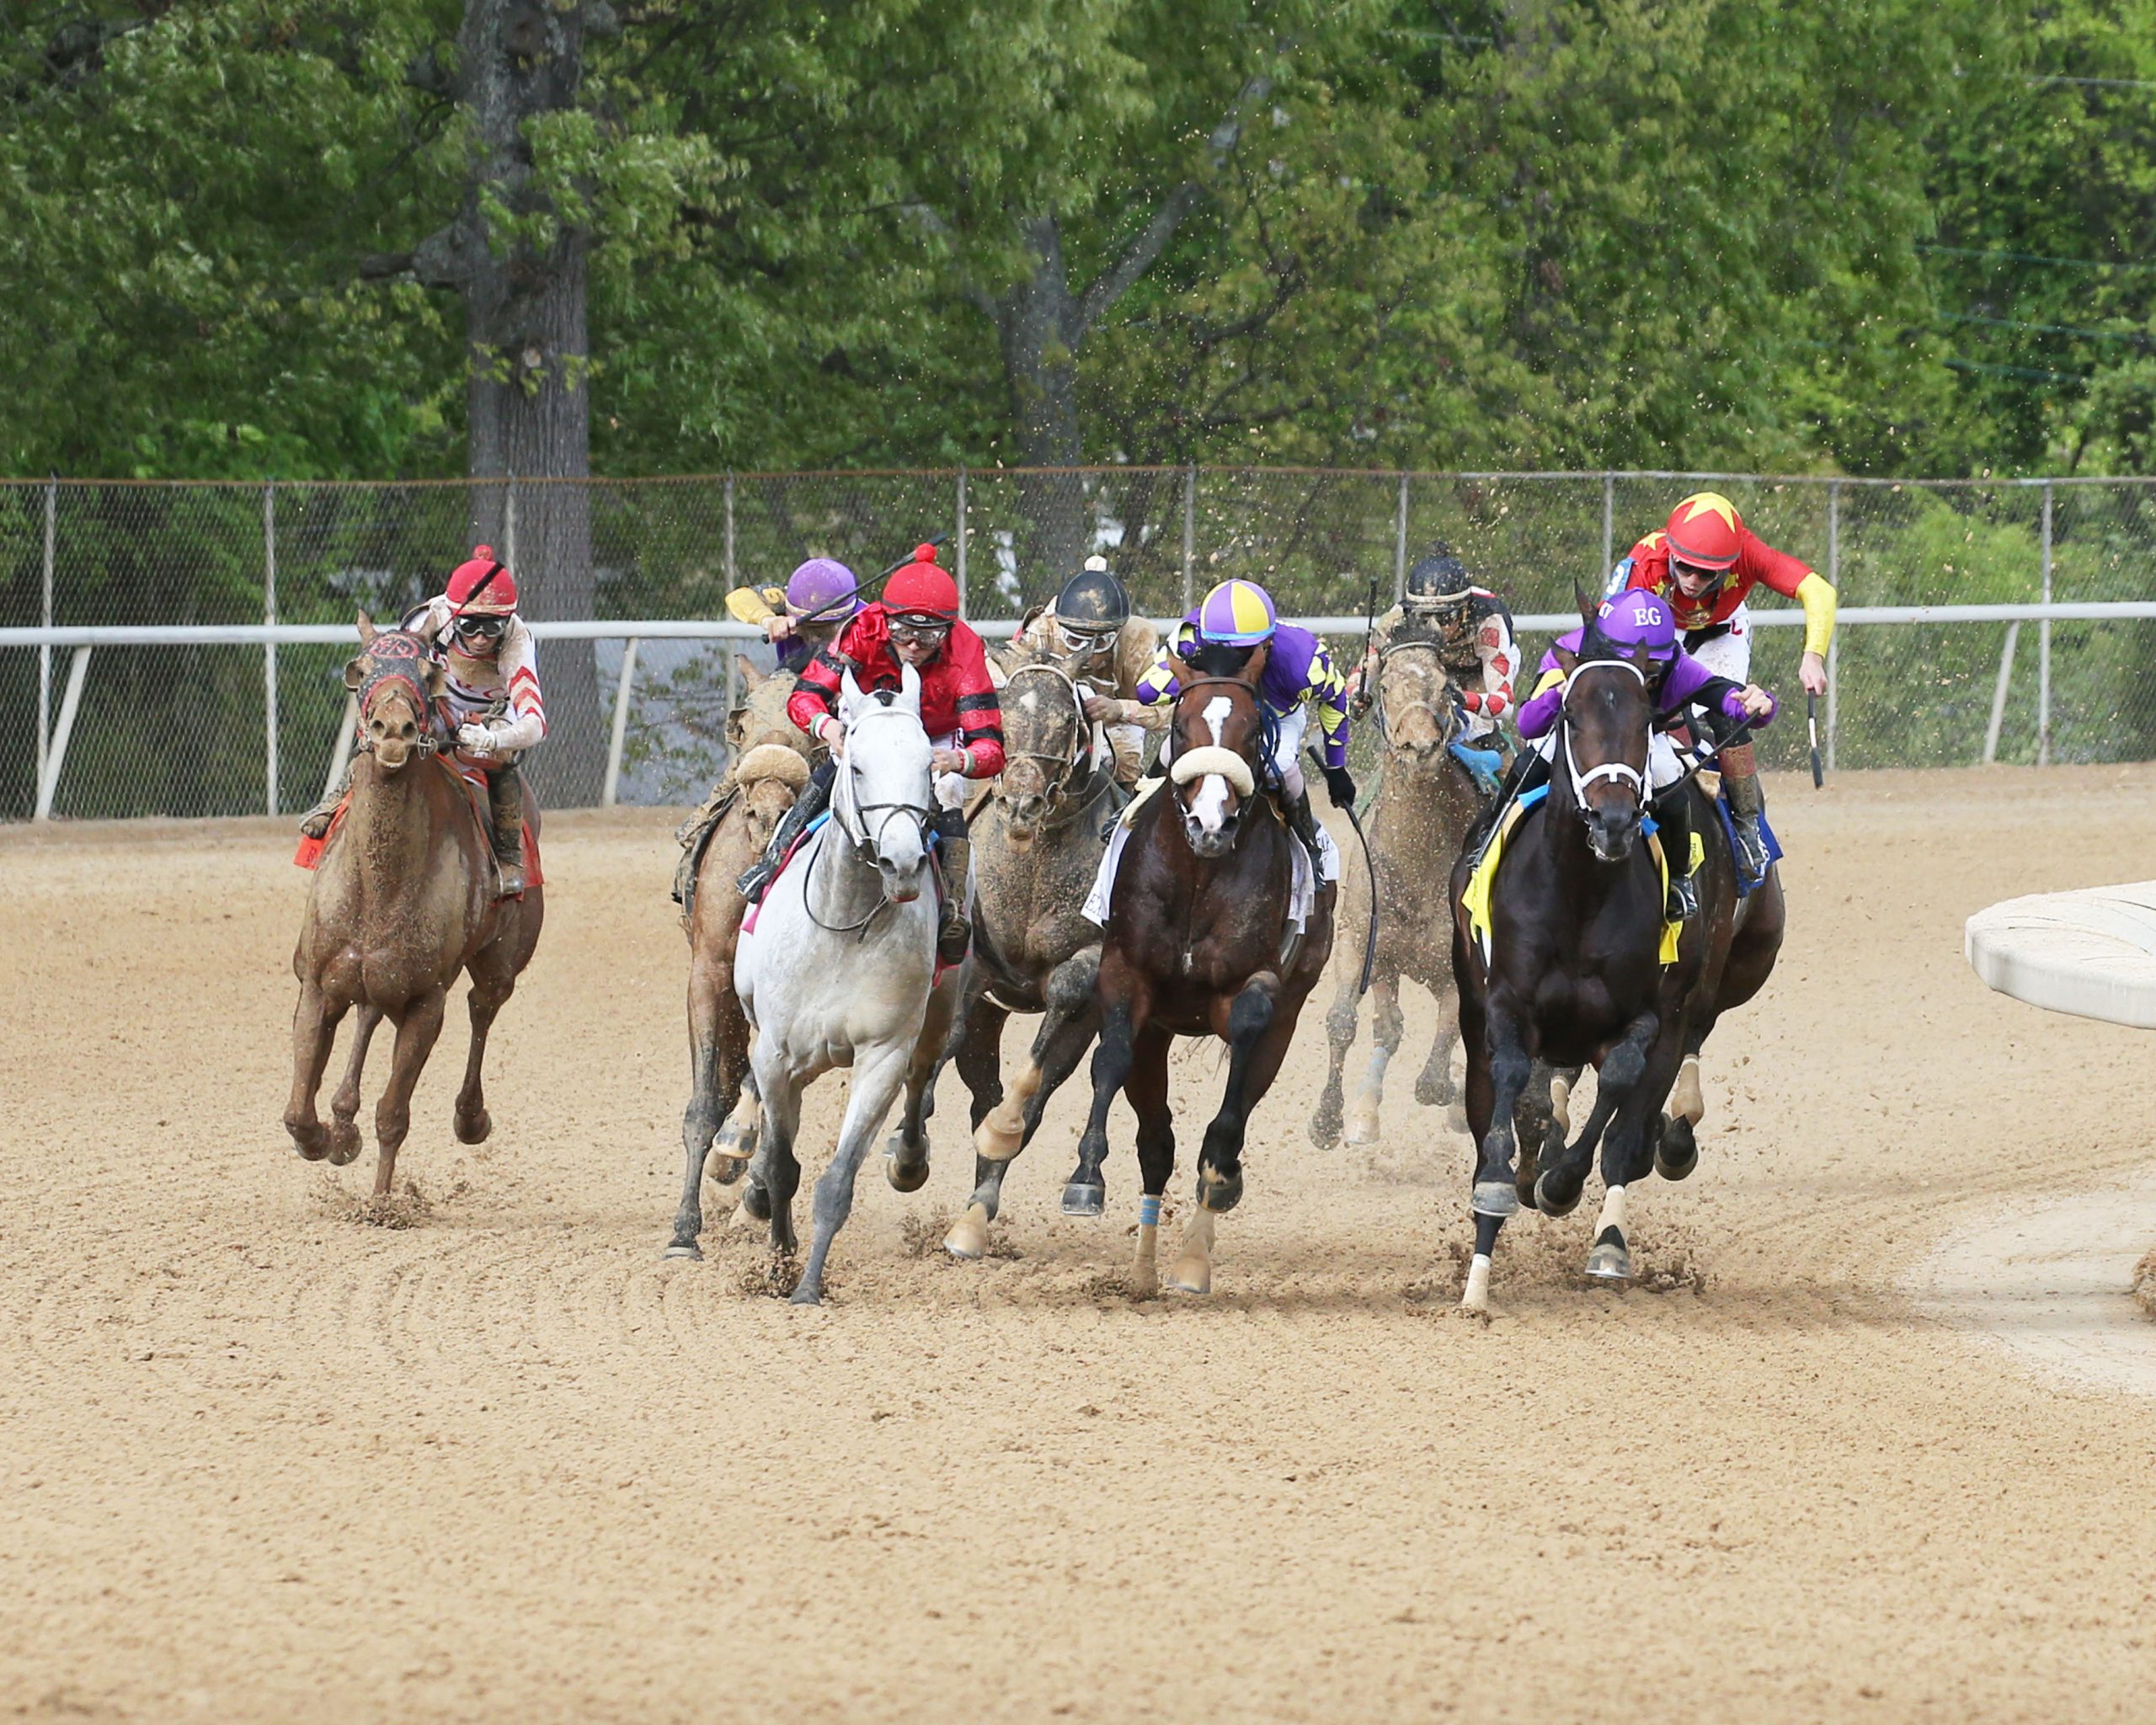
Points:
(820, 597)
(1299, 675)
(1090, 632)
(1634, 617)
(916, 623)
(493, 694)
(1472, 630)
(1706, 563)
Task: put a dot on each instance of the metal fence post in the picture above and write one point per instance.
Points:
(732, 579)
(621, 731)
(1608, 528)
(270, 647)
(509, 518)
(1189, 536)
(1998, 692)
(45, 653)
(1833, 641)
(2044, 648)
(1400, 543)
(958, 526)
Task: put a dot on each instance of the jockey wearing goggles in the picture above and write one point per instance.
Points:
(493, 695)
(916, 623)
(1705, 563)
(1298, 679)
(1472, 630)
(1089, 633)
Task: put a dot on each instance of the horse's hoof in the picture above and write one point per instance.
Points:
(1495, 1198)
(1080, 1199)
(1432, 1092)
(906, 1177)
(685, 1248)
(1363, 1127)
(1325, 1125)
(1219, 1192)
(312, 1142)
(805, 1296)
(969, 1236)
(756, 1201)
(1550, 1204)
(724, 1170)
(1678, 1152)
(1456, 1118)
(343, 1144)
(474, 1129)
(1609, 1259)
(1191, 1276)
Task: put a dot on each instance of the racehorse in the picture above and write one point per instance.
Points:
(771, 768)
(1574, 975)
(1037, 847)
(1426, 802)
(1200, 941)
(839, 969)
(402, 898)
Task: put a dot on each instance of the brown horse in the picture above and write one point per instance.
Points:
(403, 899)
(1200, 942)
(1423, 810)
(771, 767)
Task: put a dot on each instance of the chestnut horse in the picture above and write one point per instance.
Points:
(402, 898)
(1199, 943)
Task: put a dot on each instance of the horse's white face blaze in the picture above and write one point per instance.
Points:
(1210, 807)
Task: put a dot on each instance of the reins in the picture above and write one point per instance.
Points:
(1058, 781)
(843, 801)
(1621, 771)
(1448, 721)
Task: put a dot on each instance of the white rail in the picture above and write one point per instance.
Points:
(82, 639)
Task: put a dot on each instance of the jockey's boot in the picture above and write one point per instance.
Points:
(1302, 821)
(953, 857)
(1745, 805)
(505, 814)
(814, 797)
(1672, 819)
(315, 823)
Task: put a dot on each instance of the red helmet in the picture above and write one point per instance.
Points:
(922, 587)
(496, 598)
(1705, 530)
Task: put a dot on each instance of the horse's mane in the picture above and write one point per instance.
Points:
(1595, 644)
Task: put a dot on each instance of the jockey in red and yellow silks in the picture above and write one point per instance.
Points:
(1705, 563)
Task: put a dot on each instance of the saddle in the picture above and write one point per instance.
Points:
(474, 783)
(1475, 898)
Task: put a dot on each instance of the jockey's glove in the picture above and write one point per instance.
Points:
(478, 739)
(1340, 786)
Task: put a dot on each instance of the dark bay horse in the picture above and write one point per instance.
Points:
(1574, 976)
(401, 900)
(1199, 943)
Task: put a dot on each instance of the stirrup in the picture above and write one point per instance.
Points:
(954, 936)
(1751, 848)
(1684, 904)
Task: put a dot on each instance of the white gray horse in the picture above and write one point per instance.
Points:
(840, 971)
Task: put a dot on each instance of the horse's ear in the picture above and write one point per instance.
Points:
(1566, 657)
(354, 675)
(1254, 666)
(751, 678)
(367, 630)
(910, 689)
(1588, 607)
(1640, 654)
(849, 693)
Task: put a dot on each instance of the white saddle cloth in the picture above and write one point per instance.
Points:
(1302, 893)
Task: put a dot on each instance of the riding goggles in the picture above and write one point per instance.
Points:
(1693, 572)
(481, 628)
(923, 626)
(1078, 637)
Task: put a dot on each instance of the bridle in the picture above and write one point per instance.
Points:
(860, 835)
(1621, 771)
(1185, 688)
(396, 656)
(1058, 779)
(1448, 720)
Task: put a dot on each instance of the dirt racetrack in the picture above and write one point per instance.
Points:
(259, 1460)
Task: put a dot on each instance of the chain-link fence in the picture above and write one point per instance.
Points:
(224, 728)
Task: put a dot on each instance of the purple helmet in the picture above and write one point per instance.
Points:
(1238, 613)
(1636, 617)
(822, 584)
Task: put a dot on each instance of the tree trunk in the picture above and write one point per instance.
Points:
(528, 407)
(1039, 326)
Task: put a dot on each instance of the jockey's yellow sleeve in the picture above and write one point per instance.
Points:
(1818, 597)
(1299, 669)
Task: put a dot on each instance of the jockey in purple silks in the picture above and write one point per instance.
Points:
(1675, 681)
(820, 596)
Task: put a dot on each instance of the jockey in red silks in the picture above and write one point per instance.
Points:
(1706, 563)
(916, 623)
(1675, 680)
(493, 694)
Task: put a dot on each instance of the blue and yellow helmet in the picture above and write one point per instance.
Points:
(1237, 614)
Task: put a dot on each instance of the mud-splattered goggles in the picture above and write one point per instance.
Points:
(481, 628)
(921, 628)
(1078, 637)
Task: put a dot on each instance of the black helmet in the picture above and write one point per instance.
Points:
(1093, 606)
(1440, 579)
